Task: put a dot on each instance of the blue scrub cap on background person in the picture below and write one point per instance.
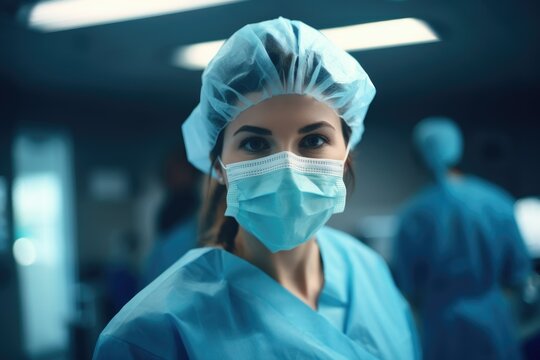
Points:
(268, 59)
(439, 141)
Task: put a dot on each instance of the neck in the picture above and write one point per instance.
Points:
(299, 270)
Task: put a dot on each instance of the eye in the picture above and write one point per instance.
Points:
(254, 144)
(313, 141)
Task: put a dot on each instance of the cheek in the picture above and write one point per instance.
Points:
(337, 149)
(338, 152)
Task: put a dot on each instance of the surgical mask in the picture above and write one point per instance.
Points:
(284, 199)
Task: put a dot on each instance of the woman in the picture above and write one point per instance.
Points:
(280, 109)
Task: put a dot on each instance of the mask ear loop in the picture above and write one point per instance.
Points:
(224, 168)
(347, 152)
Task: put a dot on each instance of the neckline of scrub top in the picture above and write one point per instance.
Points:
(333, 298)
(333, 291)
(254, 282)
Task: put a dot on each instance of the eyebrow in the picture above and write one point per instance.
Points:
(253, 129)
(315, 126)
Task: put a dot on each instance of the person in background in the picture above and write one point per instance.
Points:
(280, 109)
(176, 225)
(457, 247)
(120, 272)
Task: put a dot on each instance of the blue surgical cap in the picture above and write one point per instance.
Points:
(439, 141)
(268, 59)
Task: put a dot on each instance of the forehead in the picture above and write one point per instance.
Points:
(285, 112)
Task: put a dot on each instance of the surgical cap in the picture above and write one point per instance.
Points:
(268, 59)
(439, 141)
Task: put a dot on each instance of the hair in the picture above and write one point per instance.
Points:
(217, 229)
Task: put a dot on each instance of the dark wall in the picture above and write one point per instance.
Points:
(10, 325)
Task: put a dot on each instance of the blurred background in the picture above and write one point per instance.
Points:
(92, 170)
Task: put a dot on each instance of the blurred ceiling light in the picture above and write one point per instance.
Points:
(375, 35)
(382, 34)
(197, 56)
(56, 15)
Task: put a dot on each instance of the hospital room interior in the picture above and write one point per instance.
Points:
(98, 196)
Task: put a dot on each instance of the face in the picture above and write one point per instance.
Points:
(295, 123)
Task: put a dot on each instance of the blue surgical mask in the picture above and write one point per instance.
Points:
(284, 199)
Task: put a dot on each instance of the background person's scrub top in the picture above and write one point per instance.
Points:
(169, 249)
(212, 304)
(457, 246)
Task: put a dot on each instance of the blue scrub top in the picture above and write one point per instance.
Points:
(458, 243)
(212, 304)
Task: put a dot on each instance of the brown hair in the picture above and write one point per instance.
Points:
(220, 230)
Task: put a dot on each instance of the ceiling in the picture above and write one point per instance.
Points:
(487, 47)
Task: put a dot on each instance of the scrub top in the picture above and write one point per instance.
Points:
(458, 243)
(212, 304)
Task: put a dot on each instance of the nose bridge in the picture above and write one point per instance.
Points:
(286, 142)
